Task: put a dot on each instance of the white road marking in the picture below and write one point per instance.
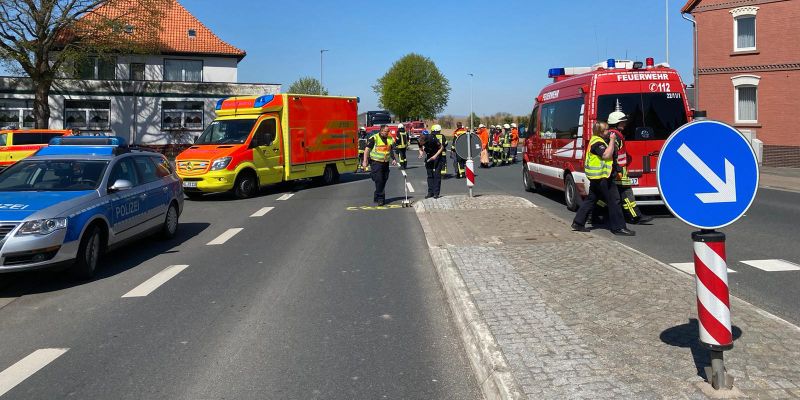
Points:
(689, 268)
(23, 369)
(157, 280)
(403, 172)
(262, 212)
(773, 265)
(221, 239)
(410, 188)
(286, 196)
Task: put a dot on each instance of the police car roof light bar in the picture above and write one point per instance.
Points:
(88, 141)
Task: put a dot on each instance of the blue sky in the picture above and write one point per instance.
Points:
(508, 45)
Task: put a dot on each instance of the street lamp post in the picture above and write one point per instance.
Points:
(320, 69)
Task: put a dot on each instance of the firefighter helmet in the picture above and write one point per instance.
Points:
(481, 126)
(617, 117)
(506, 126)
(436, 128)
(513, 125)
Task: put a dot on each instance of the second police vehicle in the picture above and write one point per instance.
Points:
(78, 197)
(652, 96)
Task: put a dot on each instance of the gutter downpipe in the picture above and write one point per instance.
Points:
(696, 68)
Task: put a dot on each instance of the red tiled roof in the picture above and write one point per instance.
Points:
(173, 33)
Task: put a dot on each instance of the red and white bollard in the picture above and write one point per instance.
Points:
(713, 302)
(470, 175)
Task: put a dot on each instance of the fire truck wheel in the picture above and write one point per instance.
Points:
(570, 193)
(527, 181)
(246, 185)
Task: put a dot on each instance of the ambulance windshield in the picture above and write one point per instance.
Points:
(231, 131)
(651, 116)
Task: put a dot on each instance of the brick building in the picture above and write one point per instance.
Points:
(749, 70)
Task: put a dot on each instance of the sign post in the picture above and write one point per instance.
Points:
(466, 145)
(708, 177)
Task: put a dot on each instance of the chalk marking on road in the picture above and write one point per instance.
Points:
(262, 212)
(156, 281)
(225, 236)
(689, 268)
(286, 196)
(773, 265)
(25, 368)
(410, 188)
(373, 208)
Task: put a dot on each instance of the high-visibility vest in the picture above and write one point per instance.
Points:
(514, 137)
(594, 166)
(440, 137)
(459, 132)
(507, 139)
(402, 139)
(621, 178)
(382, 150)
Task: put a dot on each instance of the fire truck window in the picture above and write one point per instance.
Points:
(266, 132)
(534, 122)
(651, 116)
(560, 120)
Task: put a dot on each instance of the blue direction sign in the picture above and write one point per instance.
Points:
(707, 174)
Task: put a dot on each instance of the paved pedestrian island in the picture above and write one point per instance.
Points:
(547, 313)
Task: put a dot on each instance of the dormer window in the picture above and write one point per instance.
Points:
(129, 29)
(192, 33)
(744, 28)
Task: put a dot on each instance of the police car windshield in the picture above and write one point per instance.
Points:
(651, 116)
(232, 131)
(52, 175)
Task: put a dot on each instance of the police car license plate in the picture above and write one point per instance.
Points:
(189, 184)
(634, 181)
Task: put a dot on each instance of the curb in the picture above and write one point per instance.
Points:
(486, 358)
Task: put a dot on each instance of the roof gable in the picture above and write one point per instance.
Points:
(689, 6)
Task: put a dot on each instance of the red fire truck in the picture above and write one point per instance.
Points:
(652, 96)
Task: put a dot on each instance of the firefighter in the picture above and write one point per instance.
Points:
(506, 155)
(496, 146)
(514, 143)
(379, 150)
(401, 145)
(617, 121)
(436, 130)
(599, 168)
(430, 149)
(459, 164)
(362, 144)
(483, 133)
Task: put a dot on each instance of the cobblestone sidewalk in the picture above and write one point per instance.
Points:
(543, 318)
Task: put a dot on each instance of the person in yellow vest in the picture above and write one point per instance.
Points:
(379, 151)
(599, 168)
(401, 144)
(459, 164)
(505, 158)
(436, 130)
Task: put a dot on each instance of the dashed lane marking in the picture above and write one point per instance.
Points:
(262, 212)
(225, 236)
(25, 368)
(689, 268)
(157, 280)
(773, 265)
(286, 196)
(410, 188)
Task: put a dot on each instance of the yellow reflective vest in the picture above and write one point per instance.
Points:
(382, 151)
(594, 166)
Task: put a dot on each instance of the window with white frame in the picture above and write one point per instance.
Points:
(87, 114)
(17, 113)
(745, 89)
(182, 115)
(183, 70)
(744, 28)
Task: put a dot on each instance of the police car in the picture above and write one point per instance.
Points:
(79, 196)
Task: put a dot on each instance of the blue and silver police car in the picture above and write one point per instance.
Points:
(78, 197)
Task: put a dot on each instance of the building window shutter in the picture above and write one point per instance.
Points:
(747, 103)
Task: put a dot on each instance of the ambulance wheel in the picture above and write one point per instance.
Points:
(89, 252)
(527, 181)
(246, 185)
(571, 193)
(329, 175)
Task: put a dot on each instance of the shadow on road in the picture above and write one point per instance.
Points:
(284, 187)
(117, 261)
(687, 336)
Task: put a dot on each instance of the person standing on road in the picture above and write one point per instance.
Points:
(483, 133)
(459, 164)
(362, 144)
(496, 146)
(617, 121)
(380, 149)
(436, 130)
(430, 149)
(512, 159)
(599, 167)
(401, 145)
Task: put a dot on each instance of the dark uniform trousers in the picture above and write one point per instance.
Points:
(380, 174)
(607, 190)
(434, 170)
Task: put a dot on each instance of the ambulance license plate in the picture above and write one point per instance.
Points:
(634, 181)
(190, 184)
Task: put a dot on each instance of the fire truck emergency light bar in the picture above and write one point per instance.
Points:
(608, 64)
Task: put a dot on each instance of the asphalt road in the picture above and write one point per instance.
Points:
(768, 231)
(310, 300)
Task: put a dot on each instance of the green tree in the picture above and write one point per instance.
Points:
(447, 121)
(413, 87)
(475, 120)
(47, 39)
(307, 85)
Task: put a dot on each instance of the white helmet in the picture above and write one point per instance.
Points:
(481, 126)
(399, 126)
(506, 126)
(491, 126)
(617, 117)
(513, 125)
(362, 128)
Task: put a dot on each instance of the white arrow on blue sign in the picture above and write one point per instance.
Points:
(707, 174)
